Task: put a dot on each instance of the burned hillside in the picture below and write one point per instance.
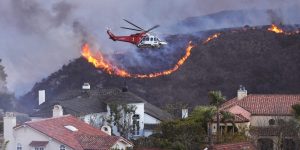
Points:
(263, 61)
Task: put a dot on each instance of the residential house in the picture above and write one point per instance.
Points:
(93, 106)
(263, 117)
(235, 146)
(59, 132)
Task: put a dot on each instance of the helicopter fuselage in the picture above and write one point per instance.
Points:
(141, 40)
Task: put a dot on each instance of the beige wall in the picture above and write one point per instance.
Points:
(25, 135)
(264, 120)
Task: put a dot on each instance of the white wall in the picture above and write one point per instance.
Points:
(25, 135)
(147, 133)
(120, 145)
(9, 122)
(96, 118)
(150, 120)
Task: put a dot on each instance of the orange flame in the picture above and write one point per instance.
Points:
(99, 62)
(216, 35)
(274, 28)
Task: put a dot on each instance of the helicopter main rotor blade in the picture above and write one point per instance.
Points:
(156, 26)
(132, 29)
(133, 24)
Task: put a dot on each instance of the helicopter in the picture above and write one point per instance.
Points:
(142, 39)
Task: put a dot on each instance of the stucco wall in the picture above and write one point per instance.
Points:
(264, 120)
(25, 135)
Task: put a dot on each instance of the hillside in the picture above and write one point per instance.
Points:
(262, 61)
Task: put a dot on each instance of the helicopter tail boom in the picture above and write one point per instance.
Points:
(111, 35)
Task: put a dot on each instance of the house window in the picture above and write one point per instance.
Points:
(62, 147)
(136, 124)
(19, 146)
(271, 122)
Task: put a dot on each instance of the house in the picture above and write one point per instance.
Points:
(234, 146)
(265, 117)
(59, 132)
(93, 106)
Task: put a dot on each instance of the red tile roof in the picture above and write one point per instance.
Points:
(265, 104)
(55, 128)
(235, 146)
(238, 118)
(90, 142)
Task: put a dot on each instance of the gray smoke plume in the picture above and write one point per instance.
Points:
(38, 37)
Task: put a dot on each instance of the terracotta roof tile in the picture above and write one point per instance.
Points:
(265, 104)
(238, 118)
(55, 128)
(235, 146)
(91, 142)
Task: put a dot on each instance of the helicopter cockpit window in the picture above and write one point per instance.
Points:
(147, 39)
(151, 39)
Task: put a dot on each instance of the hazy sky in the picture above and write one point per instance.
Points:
(37, 37)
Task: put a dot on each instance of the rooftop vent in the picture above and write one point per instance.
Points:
(86, 86)
(71, 128)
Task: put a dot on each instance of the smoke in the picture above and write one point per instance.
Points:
(38, 37)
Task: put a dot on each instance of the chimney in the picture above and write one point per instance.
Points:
(57, 111)
(42, 96)
(86, 86)
(184, 113)
(106, 129)
(9, 121)
(241, 93)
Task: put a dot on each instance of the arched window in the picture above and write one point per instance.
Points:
(19, 146)
(62, 147)
(271, 122)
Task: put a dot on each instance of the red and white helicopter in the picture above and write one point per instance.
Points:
(143, 39)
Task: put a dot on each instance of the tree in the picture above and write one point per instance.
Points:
(205, 115)
(217, 99)
(227, 117)
(120, 117)
(296, 110)
(4, 145)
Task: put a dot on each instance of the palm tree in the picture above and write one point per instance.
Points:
(227, 117)
(217, 99)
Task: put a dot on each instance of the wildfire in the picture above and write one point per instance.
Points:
(274, 28)
(99, 62)
(216, 35)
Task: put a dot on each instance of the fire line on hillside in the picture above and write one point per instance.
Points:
(276, 29)
(99, 62)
